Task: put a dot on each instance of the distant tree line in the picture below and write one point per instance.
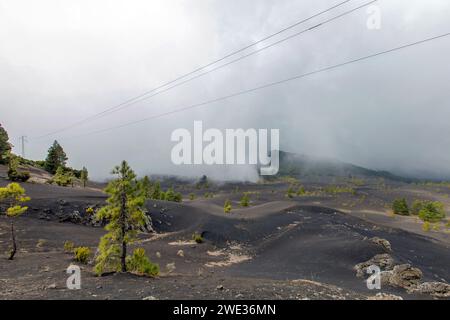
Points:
(55, 164)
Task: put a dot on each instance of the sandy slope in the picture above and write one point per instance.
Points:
(256, 252)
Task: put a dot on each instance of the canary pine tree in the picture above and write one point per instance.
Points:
(56, 158)
(5, 146)
(13, 195)
(146, 187)
(126, 214)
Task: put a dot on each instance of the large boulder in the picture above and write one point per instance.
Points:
(405, 276)
(384, 261)
(383, 243)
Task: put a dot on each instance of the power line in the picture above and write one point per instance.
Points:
(132, 100)
(244, 56)
(239, 93)
(23, 140)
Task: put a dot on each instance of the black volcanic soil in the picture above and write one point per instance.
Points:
(278, 248)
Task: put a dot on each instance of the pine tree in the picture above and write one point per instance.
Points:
(400, 207)
(84, 177)
(146, 186)
(14, 195)
(56, 158)
(5, 146)
(156, 194)
(63, 178)
(126, 214)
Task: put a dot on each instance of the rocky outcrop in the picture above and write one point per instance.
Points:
(383, 261)
(383, 243)
(384, 296)
(405, 276)
(435, 289)
(401, 276)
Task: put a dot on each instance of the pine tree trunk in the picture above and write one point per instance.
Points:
(123, 230)
(13, 237)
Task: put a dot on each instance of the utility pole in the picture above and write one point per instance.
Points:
(23, 139)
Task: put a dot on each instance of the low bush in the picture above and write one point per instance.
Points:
(62, 178)
(245, 200)
(82, 254)
(301, 191)
(17, 176)
(432, 211)
(290, 192)
(416, 207)
(139, 263)
(69, 246)
(197, 238)
(227, 206)
(400, 207)
(208, 195)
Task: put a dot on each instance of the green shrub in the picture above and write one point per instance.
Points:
(227, 206)
(13, 169)
(141, 264)
(400, 207)
(82, 254)
(245, 200)
(426, 226)
(69, 246)
(416, 207)
(17, 176)
(192, 196)
(178, 197)
(61, 178)
(197, 238)
(290, 192)
(301, 191)
(170, 195)
(432, 211)
(90, 211)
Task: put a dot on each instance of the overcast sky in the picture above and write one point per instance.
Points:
(62, 61)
